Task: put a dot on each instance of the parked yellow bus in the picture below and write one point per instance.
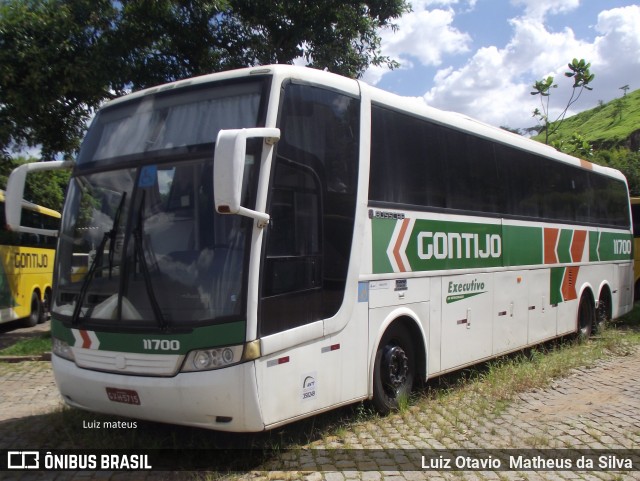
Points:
(26, 265)
(635, 214)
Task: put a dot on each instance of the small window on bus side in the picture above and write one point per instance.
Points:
(38, 220)
(407, 160)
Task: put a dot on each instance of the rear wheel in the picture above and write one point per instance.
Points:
(603, 312)
(36, 311)
(586, 317)
(394, 369)
(46, 306)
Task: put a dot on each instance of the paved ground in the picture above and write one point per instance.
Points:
(594, 408)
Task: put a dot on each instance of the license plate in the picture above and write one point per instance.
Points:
(126, 396)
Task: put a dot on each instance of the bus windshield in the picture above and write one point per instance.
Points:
(141, 243)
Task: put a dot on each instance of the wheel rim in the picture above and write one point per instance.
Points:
(395, 369)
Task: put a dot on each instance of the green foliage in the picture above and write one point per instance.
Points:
(582, 77)
(44, 188)
(577, 146)
(579, 71)
(624, 160)
(61, 59)
(54, 69)
(600, 126)
(604, 135)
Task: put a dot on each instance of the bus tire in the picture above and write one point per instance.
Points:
(603, 312)
(46, 305)
(394, 369)
(586, 317)
(36, 310)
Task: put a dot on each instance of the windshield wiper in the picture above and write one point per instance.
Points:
(97, 260)
(144, 267)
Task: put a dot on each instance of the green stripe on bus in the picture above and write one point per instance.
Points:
(615, 246)
(443, 245)
(522, 246)
(436, 245)
(557, 274)
(594, 238)
(564, 246)
(382, 231)
(231, 333)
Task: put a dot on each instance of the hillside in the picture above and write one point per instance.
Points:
(614, 124)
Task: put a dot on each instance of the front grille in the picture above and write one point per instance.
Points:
(127, 362)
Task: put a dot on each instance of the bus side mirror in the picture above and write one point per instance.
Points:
(15, 193)
(228, 170)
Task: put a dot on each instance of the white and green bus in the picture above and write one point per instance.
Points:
(270, 243)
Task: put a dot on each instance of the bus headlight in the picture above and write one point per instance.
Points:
(207, 359)
(62, 349)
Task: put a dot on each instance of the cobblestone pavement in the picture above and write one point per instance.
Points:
(593, 408)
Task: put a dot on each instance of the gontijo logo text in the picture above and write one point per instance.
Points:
(426, 245)
(465, 245)
(414, 245)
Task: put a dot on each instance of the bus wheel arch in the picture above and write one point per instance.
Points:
(586, 316)
(398, 365)
(604, 309)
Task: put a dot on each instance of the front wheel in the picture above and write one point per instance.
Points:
(394, 369)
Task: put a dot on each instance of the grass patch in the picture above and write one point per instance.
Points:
(33, 346)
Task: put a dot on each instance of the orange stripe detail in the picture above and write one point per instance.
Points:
(396, 248)
(569, 284)
(586, 164)
(577, 245)
(550, 241)
(86, 340)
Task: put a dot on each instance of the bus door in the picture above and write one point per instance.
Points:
(306, 254)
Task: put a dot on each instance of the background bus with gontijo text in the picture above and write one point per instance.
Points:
(26, 269)
(269, 243)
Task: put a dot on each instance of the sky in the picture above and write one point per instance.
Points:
(482, 57)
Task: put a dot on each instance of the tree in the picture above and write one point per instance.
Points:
(619, 104)
(51, 71)
(625, 160)
(582, 77)
(61, 59)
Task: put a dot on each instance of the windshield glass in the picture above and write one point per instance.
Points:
(170, 121)
(143, 245)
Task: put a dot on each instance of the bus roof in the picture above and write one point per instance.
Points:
(405, 104)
